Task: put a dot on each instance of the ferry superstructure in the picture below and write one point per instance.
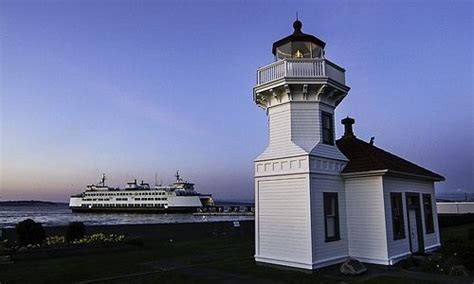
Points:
(140, 197)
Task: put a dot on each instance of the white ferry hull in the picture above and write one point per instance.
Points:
(134, 210)
(176, 198)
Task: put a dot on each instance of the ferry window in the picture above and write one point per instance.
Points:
(327, 128)
(331, 216)
(398, 223)
(428, 209)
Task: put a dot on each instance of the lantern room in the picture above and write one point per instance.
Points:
(298, 45)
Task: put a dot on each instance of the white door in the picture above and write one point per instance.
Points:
(413, 230)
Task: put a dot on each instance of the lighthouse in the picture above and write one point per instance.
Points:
(299, 191)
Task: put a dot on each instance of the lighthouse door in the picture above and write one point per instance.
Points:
(413, 230)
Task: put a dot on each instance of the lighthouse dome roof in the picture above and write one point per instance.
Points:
(297, 36)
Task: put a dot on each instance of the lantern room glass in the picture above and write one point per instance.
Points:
(298, 49)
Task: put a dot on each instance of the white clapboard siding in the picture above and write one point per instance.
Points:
(283, 219)
(305, 125)
(279, 125)
(402, 246)
(366, 219)
(295, 129)
(324, 252)
(328, 151)
(279, 143)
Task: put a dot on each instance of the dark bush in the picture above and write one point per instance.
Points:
(134, 242)
(75, 231)
(30, 232)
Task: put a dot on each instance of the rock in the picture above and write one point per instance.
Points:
(458, 270)
(352, 267)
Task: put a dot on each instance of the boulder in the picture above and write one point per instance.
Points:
(352, 267)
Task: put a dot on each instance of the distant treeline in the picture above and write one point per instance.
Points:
(29, 203)
(443, 197)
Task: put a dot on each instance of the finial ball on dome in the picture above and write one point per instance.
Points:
(297, 25)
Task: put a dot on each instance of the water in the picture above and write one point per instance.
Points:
(59, 215)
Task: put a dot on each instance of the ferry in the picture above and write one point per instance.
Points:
(179, 197)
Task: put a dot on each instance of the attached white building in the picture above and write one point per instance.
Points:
(318, 200)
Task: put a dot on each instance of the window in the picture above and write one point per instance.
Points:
(327, 126)
(398, 224)
(331, 216)
(428, 209)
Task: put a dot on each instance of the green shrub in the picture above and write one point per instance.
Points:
(30, 232)
(75, 231)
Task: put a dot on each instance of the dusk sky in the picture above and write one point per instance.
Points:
(130, 88)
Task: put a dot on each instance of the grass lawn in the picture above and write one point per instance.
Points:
(461, 231)
(210, 260)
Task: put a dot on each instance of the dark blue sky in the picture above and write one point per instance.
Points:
(131, 88)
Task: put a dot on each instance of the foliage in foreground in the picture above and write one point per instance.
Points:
(60, 241)
(462, 249)
(75, 231)
(30, 233)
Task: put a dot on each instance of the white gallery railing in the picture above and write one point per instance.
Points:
(300, 68)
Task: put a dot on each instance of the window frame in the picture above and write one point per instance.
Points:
(325, 140)
(428, 213)
(401, 234)
(327, 196)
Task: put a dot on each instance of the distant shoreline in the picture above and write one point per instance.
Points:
(30, 203)
(44, 203)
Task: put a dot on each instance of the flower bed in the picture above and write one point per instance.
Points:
(55, 246)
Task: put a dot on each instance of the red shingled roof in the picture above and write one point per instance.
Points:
(366, 157)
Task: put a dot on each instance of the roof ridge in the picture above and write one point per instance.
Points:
(398, 157)
(364, 156)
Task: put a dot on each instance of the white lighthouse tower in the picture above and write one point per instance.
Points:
(299, 192)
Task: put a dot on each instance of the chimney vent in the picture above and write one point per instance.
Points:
(348, 122)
